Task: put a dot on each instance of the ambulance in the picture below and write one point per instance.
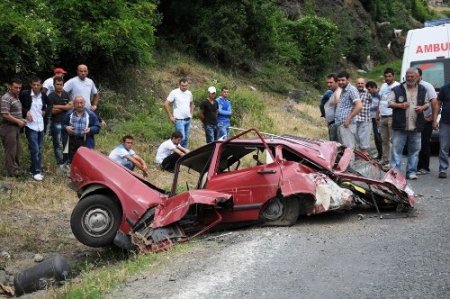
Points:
(428, 48)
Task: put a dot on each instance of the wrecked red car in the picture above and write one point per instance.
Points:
(243, 180)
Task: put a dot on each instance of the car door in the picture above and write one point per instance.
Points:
(252, 178)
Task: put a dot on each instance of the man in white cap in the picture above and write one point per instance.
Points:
(208, 115)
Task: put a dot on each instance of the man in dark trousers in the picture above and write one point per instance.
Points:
(443, 101)
(11, 122)
(372, 88)
(170, 151)
(423, 167)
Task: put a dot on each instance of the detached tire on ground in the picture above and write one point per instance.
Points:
(95, 220)
(281, 211)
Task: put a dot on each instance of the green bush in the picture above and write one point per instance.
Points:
(29, 40)
(315, 38)
(36, 35)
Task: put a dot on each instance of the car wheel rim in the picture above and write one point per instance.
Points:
(274, 210)
(97, 222)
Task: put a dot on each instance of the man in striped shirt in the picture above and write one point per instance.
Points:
(363, 119)
(348, 107)
(11, 123)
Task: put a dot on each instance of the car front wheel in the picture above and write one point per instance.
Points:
(95, 220)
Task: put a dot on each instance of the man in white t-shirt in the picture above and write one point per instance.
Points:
(170, 151)
(81, 85)
(127, 157)
(183, 108)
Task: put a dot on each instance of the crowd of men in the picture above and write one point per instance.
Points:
(70, 110)
(398, 115)
(69, 107)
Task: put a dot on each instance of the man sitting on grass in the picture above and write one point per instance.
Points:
(170, 151)
(124, 155)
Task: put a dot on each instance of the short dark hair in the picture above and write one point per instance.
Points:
(371, 84)
(224, 88)
(342, 74)
(389, 70)
(176, 134)
(332, 75)
(183, 80)
(15, 80)
(58, 79)
(35, 79)
(127, 137)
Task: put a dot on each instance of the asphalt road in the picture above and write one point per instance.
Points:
(334, 255)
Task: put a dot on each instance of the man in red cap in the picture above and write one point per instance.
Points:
(47, 86)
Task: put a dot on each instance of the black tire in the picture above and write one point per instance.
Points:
(95, 220)
(281, 211)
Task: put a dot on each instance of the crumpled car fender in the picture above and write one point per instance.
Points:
(175, 208)
(327, 194)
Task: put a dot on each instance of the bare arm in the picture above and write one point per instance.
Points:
(201, 115)
(181, 150)
(139, 163)
(436, 106)
(169, 113)
(95, 100)
(61, 108)
(357, 107)
(14, 120)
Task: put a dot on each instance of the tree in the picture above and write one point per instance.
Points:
(36, 35)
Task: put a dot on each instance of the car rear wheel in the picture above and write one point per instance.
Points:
(95, 220)
(281, 211)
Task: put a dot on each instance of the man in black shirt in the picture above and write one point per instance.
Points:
(60, 103)
(208, 115)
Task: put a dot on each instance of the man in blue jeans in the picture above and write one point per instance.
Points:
(208, 115)
(443, 101)
(183, 108)
(34, 108)
(223, 114)
(59, 102)
(408, 102)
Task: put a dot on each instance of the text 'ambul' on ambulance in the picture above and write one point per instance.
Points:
(428, 48)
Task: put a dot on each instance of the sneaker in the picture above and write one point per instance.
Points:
(411, 176)
(442, 175)
(422, 172)
(38, 177)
